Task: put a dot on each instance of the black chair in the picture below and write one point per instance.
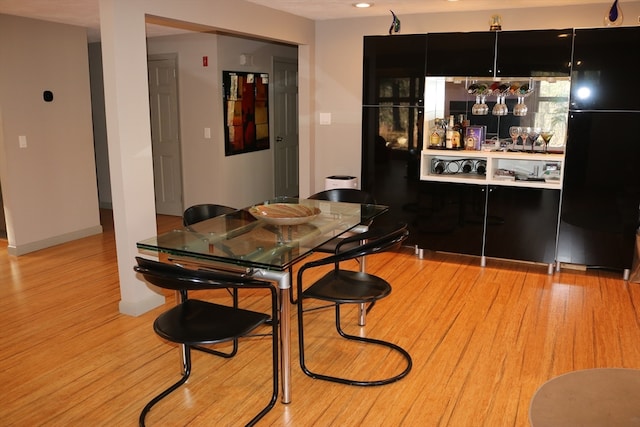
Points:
(349, 195)
(197, 213)
(340, 286)
(194, 323)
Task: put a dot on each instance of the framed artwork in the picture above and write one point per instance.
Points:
(246, 111)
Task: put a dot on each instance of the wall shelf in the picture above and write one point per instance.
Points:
(530, 170)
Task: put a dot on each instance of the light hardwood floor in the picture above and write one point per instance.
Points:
(482, 340)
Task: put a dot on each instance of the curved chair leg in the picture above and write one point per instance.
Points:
(274, 355)
(186, 368)
(315, 375)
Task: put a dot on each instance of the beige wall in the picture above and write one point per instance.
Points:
(208, 175)
(49, 187)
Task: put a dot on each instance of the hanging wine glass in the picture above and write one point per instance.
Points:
(546, 136)
(514, 133)
(476, 109)
(481, 109)
(520, 108)
(484, 108)
(500, 109)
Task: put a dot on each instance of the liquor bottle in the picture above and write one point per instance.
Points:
(459, 127)
(435, 139)
(465, 124)
(449, 134)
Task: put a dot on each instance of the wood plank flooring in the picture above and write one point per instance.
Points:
(482, 341)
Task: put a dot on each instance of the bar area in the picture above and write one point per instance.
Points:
(517, 144)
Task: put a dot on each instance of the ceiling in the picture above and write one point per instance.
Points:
(85, 12)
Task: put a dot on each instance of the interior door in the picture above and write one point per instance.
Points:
(165, 134)
(285, 119)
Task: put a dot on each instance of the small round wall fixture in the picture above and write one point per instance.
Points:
(47, 95)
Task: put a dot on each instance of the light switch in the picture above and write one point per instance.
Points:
(325, 118)
(22, 141)
(207, 133)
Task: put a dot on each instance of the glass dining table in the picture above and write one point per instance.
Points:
(264, 241)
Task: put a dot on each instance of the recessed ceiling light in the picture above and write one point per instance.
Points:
(362, 5)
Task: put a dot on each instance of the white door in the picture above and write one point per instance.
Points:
(285, 127)
(165, 134)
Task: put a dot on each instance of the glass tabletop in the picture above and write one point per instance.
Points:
(287, 230)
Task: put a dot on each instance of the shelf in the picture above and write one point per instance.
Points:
(479, 168)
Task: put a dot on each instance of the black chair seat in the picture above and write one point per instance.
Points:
(345, 286)
(200, 322)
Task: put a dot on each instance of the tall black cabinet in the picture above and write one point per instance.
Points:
(601, 193)
(393, 95)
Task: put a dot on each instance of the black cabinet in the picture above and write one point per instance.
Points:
(601, 190)
(489, 220)
(522, 223)
(393, 99)
(602, 77)
(392, 57)
(534, 53)
(461, 54)
(451, 217)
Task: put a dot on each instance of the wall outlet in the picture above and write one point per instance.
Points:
(22, 141)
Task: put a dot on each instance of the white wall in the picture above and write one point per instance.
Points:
(49, 187)
(208, 175)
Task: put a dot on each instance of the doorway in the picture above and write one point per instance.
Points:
(165, 133)
(285, 158)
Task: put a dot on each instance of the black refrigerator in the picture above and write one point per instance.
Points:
(600, 208)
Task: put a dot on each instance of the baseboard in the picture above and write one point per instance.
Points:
(136, 308)
(18, 250)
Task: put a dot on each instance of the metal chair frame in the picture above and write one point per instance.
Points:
(335, 287)
(191, 311)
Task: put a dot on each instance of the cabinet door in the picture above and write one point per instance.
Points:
(450, 217)
(534, 53)
(602, 76)
(522, 223)
(461, 54)
(601, 190)
(393, 57)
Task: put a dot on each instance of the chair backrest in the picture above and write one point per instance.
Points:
(197, 213)
(376, 240)
(349, 195)
(170, 276)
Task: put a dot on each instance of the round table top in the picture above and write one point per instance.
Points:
(603, 397)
